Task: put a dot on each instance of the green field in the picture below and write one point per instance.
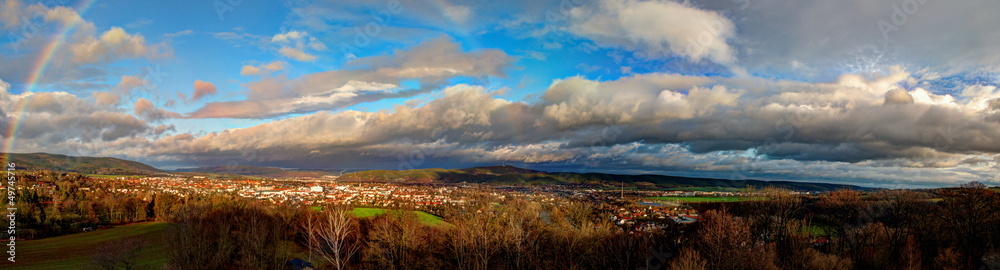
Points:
(814, 230)
(423, 216)
(74, 251)
(703, 199)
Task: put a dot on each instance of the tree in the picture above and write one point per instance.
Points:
(119, 254)
(689, 259)
(727, 242)
(397, 240)
(974, 219)
(333, 236)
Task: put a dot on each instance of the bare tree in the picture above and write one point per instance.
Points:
(727, 242)
(689, 259)
(332, 236)
(119, 254)
(397, 240)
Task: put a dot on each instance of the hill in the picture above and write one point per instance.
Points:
(509, 175)
(234, 169)
(85, 165)
(254, 171)
(500, 175)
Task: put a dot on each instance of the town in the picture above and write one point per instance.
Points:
(631, 210)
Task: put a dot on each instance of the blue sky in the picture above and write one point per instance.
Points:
(882, 93)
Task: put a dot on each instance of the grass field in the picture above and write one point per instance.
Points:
(423, 216)
(813, 230)
(74, 251)
(703, 199)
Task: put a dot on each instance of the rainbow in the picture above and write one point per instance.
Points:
(38, 68)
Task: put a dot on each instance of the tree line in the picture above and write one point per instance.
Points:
(951, 228)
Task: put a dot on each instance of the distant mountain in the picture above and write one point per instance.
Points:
(254, 171)
(86, 165)
(510, 175)
(500, 175)
(234, 169)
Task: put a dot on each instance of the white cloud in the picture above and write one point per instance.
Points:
(457, 14)
(111, 45)
(296, 54)
(82, 59)
(372, 78)
(293, 44)
(657, 29)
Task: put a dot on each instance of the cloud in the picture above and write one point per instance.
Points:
(657, 29)
(701, 125)
(129, 83)
(842, 113)
(663, 123)
(106, 99)
(898, 96)
(179, 33)
(297, 54)
(60, 122)
(292, 44)
(202, 89)
(457, 14)
(249, 70)
(437, 59)
(10, 14)
(366, 79)
(145, 109)
(111, 45)
(862, 36)
(81, 61)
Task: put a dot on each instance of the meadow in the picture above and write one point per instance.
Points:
(424, 217)
(75, 251)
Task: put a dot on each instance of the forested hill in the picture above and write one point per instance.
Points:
(255, 171)
(514, 175)
(86, 165)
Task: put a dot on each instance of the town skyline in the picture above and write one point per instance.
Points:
(894, 94)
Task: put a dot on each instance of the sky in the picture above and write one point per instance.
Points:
(885, 93)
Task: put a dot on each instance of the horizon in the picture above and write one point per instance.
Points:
(888, 93)
(534, 167)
